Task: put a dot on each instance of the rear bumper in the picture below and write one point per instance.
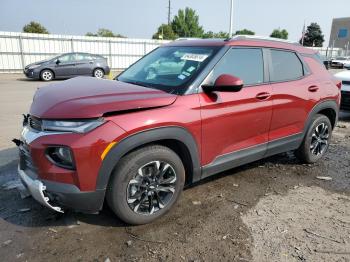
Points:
(337, 65)
(59, 196)
(107, 70)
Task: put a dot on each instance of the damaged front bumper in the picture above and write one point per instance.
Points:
(60, 196)
(37, 189)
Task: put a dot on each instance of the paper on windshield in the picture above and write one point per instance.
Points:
(194, 57)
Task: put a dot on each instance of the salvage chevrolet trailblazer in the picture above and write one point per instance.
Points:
(186, 111)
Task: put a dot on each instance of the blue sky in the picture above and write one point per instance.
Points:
(140, 18)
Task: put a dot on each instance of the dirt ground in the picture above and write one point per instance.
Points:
(275, 209)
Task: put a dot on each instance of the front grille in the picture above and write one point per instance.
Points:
(346, 83)
(25, 158)
(35, 123)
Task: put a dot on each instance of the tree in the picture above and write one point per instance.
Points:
(165, 32)
(35, 27)
(90, 34)
(186, 24)
(211, 34)
(278, 33)
(313, 36)
(244, 32)
(103, 32)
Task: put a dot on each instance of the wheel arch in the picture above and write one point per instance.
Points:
(176, 138)
(328, 108)
(98, 67)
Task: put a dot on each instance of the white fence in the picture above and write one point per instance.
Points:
(19, 49)
(331, 52)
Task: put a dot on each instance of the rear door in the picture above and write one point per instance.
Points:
(294, 92)
(65, 65)
(84, 64)
(235, 125)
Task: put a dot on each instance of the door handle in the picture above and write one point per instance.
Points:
(313, 88)
(263, 96)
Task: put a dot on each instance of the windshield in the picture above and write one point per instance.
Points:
(171, 69)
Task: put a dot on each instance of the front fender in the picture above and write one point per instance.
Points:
(148, 136)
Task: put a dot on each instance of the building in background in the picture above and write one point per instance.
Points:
(340, 33)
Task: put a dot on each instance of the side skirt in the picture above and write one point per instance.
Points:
(251, 154)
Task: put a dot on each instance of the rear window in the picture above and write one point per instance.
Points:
(285, 66)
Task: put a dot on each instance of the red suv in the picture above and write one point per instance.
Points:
(186, 111)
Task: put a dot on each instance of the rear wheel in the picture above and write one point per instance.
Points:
(98, 73)
(146, 184)
(46, 75)
(316, 140)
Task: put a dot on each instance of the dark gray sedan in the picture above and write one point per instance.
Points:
(68, 65)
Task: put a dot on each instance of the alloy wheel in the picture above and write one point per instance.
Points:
(319, 139)
(47, 75)
(152, 188)
(98, 73)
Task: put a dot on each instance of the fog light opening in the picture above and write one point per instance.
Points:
(61, 156)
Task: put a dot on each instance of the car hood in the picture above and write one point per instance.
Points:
(88, 97)
(39, 62)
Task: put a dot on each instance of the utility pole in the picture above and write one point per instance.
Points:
(169, 12)
(231, 20)
(303, 35)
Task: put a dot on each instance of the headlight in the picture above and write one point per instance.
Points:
(33, 66)
(78, 126)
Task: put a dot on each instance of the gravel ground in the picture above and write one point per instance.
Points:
(271, 210)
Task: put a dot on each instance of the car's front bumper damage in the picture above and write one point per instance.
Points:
(37, 190)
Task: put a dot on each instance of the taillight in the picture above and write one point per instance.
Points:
(339, 84)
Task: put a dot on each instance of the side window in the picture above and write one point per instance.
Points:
(285, 66)
(245, 63)
(87, 57)
(66, 58)
(80, 57)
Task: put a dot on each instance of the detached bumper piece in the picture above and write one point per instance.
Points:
(37, 189)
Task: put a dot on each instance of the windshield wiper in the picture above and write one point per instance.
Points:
(138, 83)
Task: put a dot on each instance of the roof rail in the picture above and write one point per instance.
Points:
(187, 38)
(255, 37)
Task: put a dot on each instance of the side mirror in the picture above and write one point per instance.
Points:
(58, 61)
(225, 83)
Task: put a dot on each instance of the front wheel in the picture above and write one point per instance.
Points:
(98, 73)
(46, 75)
(316, 140)
(146, 184)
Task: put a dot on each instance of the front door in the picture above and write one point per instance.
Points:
(235, 125)
(65, 66)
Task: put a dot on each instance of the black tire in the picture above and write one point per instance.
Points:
(98, 73)
(46, 75)
(315, 145)
(122, 185)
